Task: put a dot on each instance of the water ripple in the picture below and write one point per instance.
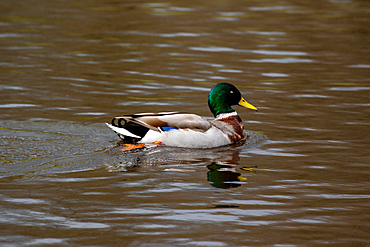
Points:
(3, 87)
(259, 52)
(268, 33)
(166, 35)
(141, 103)
(279, 53)
(17, 105)
(364, 66)
(275, 74)
(341, 196)
(310, 96)
(250, 202)
(348, 88)
(273, 152)
(279, 60)
(211, 215)
(25, 201)
(271, 8)
(162, 75)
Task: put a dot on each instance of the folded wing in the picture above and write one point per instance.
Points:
(138, 125)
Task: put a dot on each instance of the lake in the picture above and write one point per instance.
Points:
(302, 177)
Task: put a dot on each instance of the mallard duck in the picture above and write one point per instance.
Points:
(187, 130)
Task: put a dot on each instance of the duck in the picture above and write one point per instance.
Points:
(187, 130)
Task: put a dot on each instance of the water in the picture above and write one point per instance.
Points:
(301, 179)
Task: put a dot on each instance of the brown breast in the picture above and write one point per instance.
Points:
(235, 123)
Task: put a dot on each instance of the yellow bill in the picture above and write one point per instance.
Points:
(245, 104)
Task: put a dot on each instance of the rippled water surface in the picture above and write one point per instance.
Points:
(302, 177)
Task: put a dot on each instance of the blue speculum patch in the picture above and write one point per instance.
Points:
(167, 128)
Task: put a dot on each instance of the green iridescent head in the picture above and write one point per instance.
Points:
(223, 96)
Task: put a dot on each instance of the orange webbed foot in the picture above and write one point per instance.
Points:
(129, 147)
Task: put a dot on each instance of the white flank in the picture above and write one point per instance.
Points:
(187, 138)
(122, 131)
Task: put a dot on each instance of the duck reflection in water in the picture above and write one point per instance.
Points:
(227, 174)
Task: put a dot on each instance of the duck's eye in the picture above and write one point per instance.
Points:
(231, 91)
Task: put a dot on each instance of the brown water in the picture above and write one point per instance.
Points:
(67, 67)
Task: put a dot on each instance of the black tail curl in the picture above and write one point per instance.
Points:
(117, 122)
(130, 126)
